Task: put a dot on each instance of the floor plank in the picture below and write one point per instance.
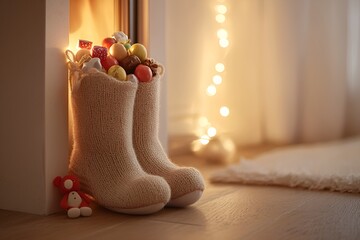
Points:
(226, 211)
(326, 215)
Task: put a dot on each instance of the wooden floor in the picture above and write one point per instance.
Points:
(224, 212)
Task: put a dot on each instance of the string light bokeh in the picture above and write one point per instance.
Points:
(208, 130)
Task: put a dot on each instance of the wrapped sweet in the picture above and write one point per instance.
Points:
(121, 37)
(85, 44)
(130, 63)
(99, 52)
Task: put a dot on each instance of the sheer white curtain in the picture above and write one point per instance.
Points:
(306, 75)
(292, 69)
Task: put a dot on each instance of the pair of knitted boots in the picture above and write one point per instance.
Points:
(117, 155)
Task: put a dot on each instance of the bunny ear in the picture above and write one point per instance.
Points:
(57, 181)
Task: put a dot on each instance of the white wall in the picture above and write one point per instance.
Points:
(56, 105)
(33, 103)
(157, 50)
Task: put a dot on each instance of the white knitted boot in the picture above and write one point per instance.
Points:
(186, 183)
(103, 157)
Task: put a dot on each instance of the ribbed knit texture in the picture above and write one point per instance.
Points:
(103, 156)
(149, 152)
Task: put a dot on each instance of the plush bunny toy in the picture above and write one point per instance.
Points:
(75, 202)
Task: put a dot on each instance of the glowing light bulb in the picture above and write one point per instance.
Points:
(224, 111)
(211, 132)
(211, 90)
(220, 18)
(222, 33)
(204, 139)
(221, 8)
(219, 67)
(217, 79)
(224, 43)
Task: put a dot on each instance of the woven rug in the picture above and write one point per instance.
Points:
(333, 166)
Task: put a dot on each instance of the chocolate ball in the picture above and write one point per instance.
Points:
(129, 63)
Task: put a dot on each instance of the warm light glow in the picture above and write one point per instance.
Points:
(224, 111)
(224, 43)
(221, 9)
(203, 121)
(74, 49)
(211, 132)
(220, 18)
(204, 139)
(211, 90)
(217, 79)
(219, 67)
(196, 146)
(222, 33)
(90, 23)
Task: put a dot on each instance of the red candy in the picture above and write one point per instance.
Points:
(84, 44)
(99, 52)
(108, 42)
(109, 62)
(143, 73)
